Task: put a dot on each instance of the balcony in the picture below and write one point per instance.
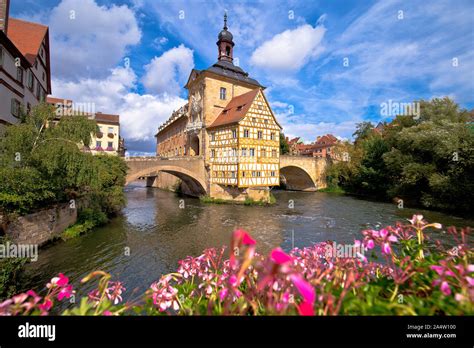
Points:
(193, 126)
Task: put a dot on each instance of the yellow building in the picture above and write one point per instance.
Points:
(106, 139)
(245, 143)
(229, 123)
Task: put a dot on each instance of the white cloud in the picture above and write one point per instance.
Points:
(166, 74)
(309, 131)
(140, 115)
(291, 49)
(88, 39)
(159, 42)
(389, 55)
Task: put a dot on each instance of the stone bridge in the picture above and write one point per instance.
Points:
(190, 170)
(303, 173)
(299, 173)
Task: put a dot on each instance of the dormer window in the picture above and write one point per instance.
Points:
(223, 93)
(239, 108)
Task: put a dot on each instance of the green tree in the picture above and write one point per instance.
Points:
(42, 162)
(284, 147)
(427, 160)
(363, 131)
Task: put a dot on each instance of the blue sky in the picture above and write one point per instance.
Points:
(327, 64)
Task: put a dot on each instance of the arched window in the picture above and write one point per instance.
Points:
(227, 51)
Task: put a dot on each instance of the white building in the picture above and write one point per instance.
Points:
(25, 77)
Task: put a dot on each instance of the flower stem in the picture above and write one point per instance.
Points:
(395, 292)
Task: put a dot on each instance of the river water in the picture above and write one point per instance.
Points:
(157, 228)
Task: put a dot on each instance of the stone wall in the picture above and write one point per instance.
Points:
(42, 226)
(239, 194)
(304, 173)
(169, 182)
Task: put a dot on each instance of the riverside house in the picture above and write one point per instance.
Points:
(25, 73)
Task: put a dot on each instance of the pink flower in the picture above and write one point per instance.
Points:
(223, 294)
(247, 240)
(384, 237)
(307, 292)
(65, 292)
(233, 281)
(304, 288)
(242, 237)
(5, 307)
(63, 280)
(114, 292)
(279, 257)
(60, 281)
(46, 306)
(445, 288)
(239, 238)
(416, 220)
(306, 309)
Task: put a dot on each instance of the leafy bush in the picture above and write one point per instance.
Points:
(42, 164)
(426, 161)
(10, 270)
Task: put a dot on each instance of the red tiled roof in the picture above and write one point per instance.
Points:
(54, 100)
(294, 140)
(27, 37)
(328, 139)
(236, 109)
(100, 117)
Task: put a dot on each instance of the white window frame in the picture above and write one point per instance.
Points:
(222, 93)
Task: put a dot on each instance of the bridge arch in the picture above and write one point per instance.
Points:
(196, 184)
(297, 178)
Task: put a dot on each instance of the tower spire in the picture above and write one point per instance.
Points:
(225, 43)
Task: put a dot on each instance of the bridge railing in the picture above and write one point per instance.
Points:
(154, 158)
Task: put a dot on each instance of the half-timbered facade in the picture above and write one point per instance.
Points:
(244, 143)
(228, 122)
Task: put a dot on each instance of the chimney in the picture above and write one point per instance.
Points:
(4, 8)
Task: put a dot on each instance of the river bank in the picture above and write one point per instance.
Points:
(157, 228)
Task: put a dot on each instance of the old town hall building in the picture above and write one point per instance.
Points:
(228, 122)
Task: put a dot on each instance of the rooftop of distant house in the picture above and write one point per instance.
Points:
(55, 101)
(107, 118)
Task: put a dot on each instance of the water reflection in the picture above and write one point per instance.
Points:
(158, 228)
